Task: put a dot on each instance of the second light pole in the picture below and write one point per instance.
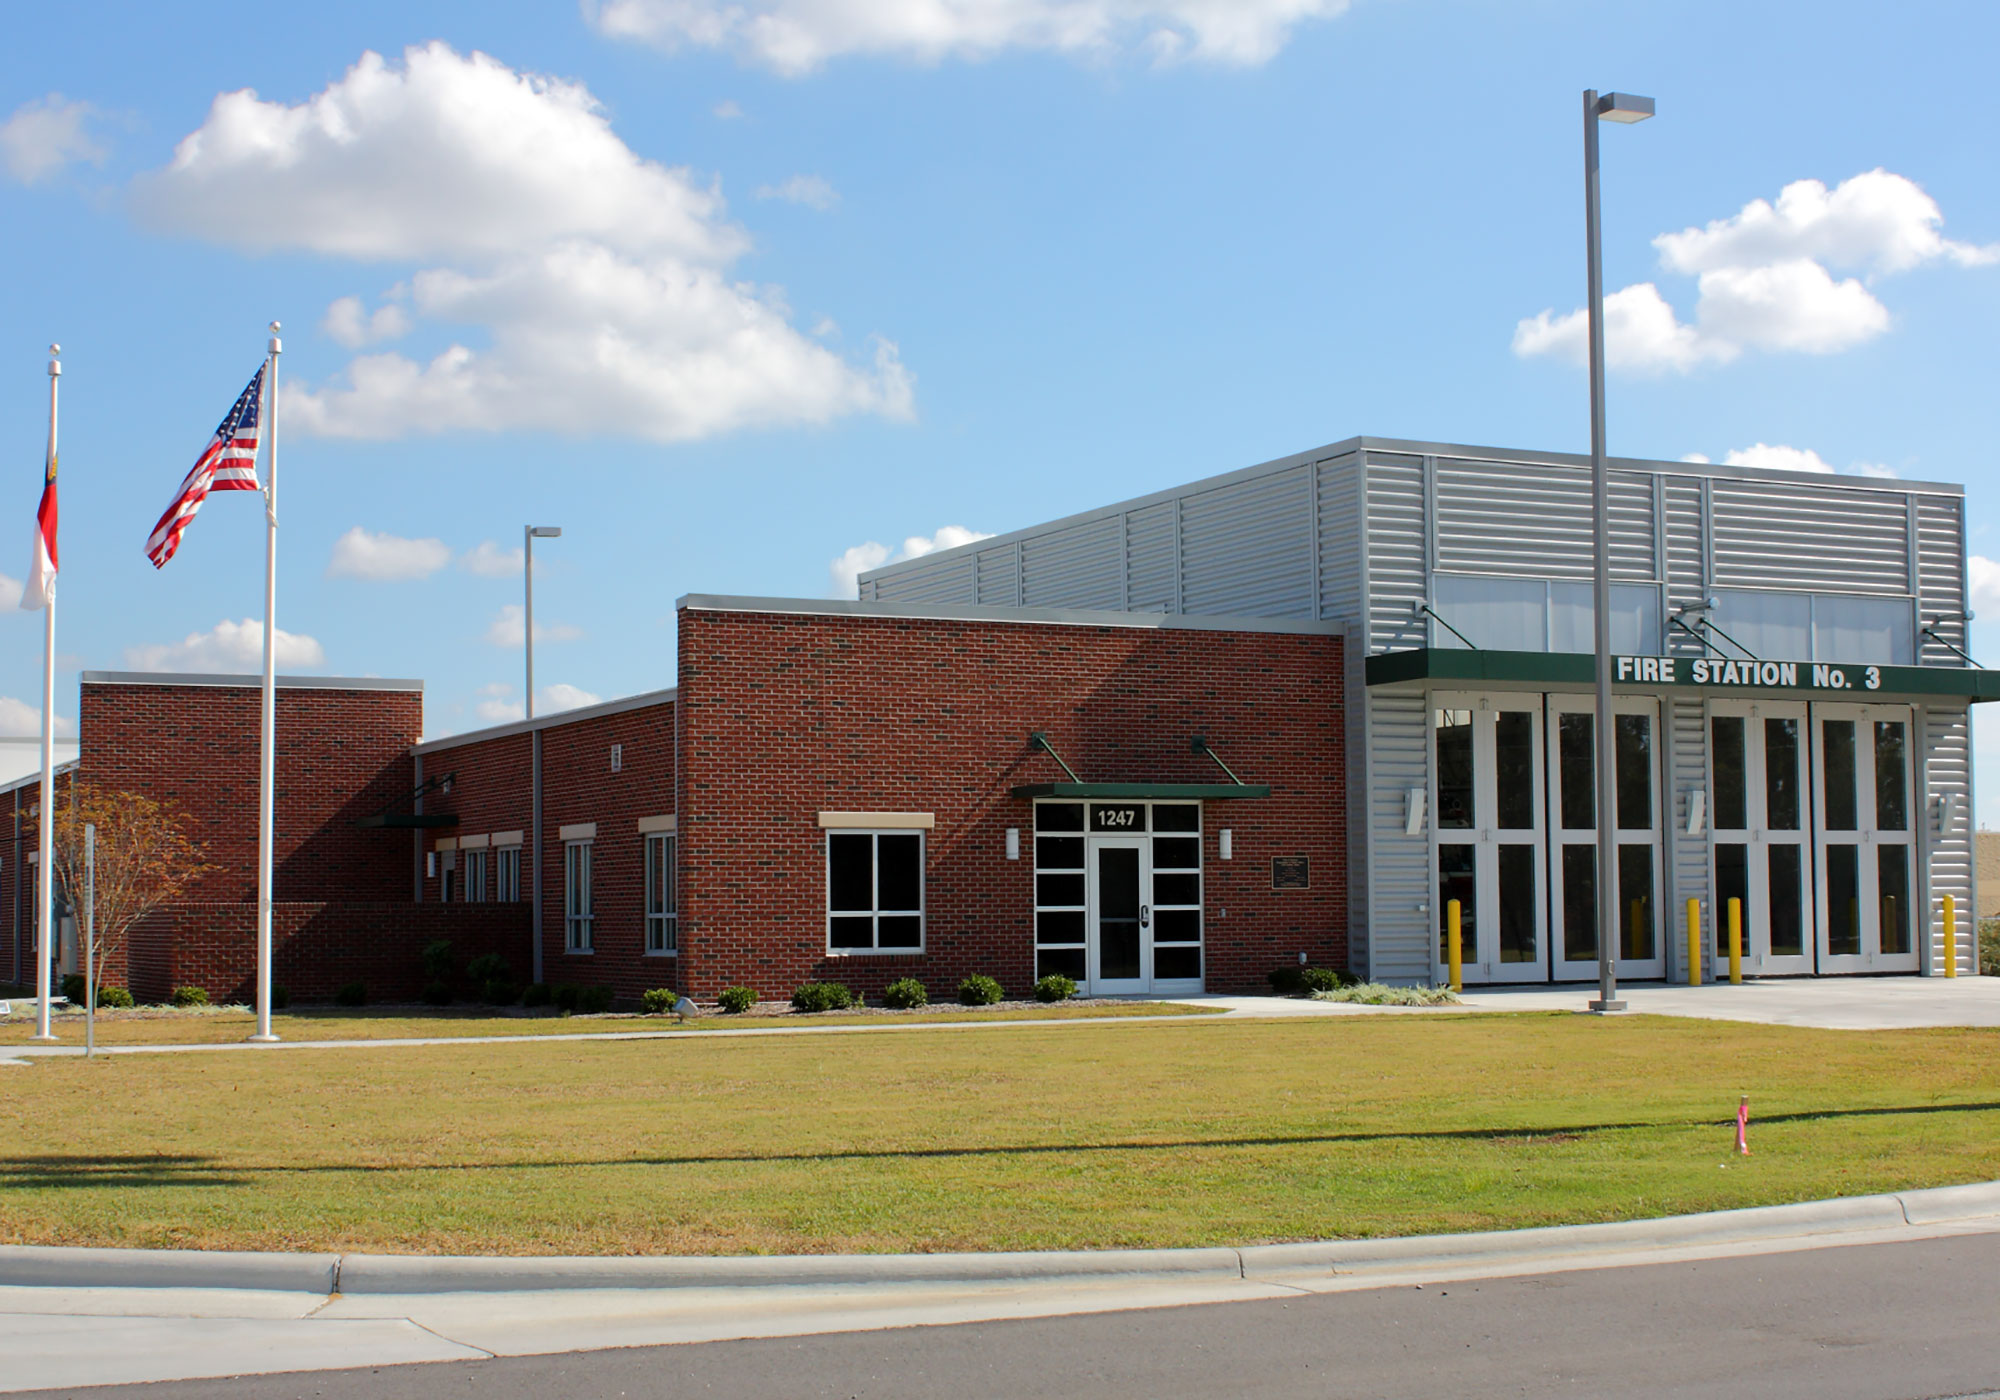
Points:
(529, 534)
(1612, 107)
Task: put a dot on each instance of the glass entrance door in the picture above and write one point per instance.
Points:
(1486, 774)
(1757, 848)
(1573, 816)
(1121, 919)
(1861, 785)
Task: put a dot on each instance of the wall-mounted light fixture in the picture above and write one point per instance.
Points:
(1227, 845)
(1013, 843)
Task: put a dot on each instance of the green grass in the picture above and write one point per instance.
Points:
(1199, 1132)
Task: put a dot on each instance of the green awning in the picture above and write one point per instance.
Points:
(1709, 675)
(1147, 792)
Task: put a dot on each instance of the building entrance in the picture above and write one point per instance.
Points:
(1861, 785)
(1118, 898)
(1487, 771)
(1757, 817)
(1573, 816)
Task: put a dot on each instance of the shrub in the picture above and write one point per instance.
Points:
(190, 996)
(1375, 994)
(905, 993)
(114, 996)
(1323, 979)
(1989, 948)
(438, 960)
(822, 996)
(487, 967)
(537, 994)
(1286, 981)
(736, 1000)
(1054, 987)
(658, 1000)
(351, 994)
(499, 991)
(564, 995)
(437, 994)
(979, 990)
(71, 989)
(280, 997)
(593, 1001)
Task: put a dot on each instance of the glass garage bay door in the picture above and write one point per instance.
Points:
(1573, 817)
(1487, 778)
(1758, 846)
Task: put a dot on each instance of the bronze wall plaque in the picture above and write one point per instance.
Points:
(1291, 873)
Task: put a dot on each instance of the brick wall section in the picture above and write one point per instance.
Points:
(784, 716)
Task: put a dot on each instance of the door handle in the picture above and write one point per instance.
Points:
(1145, 917)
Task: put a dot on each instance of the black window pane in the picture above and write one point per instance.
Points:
(1176, 816)
(1059, 852)
(1065, 926)
(1578, 759)
(1633, 734)
(1781, 774)
(850, 872)
(852, 933)
(1519, 904)
(1891, 779)
(1636, 905)
(1788, 920)
(900, 931)
(1843, 901)
(1059, 889)
(1457, 880)
(1514, 768)
(1177, 889)
(1893, 874)
(1058, 816)
(1118, 883)
(1731, 788)
(1837, 764)
(1579, 876)
(1177, 926)
(1177, 853)
(1176, 964)
(1064, 962)
(899, 884)
(1454, 770)
(1732, 881)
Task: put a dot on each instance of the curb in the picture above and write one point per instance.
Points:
(49, 1266)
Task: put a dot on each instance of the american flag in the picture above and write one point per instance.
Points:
(228, 463)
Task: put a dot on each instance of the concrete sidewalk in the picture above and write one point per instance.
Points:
(94, 1317)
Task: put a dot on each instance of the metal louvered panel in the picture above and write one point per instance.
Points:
(1000, 576)
(1686, 556)
(1534, 521)
(1246, 548)
(947, 580)
(1687, 723)
(1777, 535)
(1354, 657)
(1399, 865)
(1395, 551)
(1948, 773)
(1149, 558)
(1078, 566)
(1941, 574)
(1340, 537)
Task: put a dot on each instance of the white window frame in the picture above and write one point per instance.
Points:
(507, 874)
(875, 868)
(474, 880)
(662, 901)
(579, 914)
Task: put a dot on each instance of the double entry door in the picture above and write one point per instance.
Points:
(1863, 838)
(1638, 939)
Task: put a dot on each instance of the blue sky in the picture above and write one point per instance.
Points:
(739, 289)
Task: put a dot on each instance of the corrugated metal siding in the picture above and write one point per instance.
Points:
(935, 581)
(1355, 661)
(1246, 549)
(1941, 573)
(1948, 770)
(1149, 558)
(1686, 722)
(1534, 521)
(1776, 535)
(1077, 567)
(1000, 576)
(1399, 866)
(1341, 499)
(1686, 554)
(1395, 551)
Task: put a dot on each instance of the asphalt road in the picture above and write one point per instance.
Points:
(1874, 1322)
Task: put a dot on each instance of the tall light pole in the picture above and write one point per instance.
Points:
(1611, 107)
(529, 534)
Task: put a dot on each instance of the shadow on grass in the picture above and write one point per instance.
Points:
(79, 1170)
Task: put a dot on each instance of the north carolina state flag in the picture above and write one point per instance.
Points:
(40, 588)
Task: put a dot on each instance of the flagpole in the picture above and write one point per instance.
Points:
(268, 745)
(46, 827)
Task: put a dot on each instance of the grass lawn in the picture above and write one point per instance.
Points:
(231, 1025)
(1201, 1132)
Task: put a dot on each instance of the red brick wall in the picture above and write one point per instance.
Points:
(784, 716)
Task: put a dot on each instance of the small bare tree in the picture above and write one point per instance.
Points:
(144, 860)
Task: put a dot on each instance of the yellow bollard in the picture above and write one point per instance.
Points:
(1694, 943)
(1454, 948)
(1736, 942)
(1950, 937)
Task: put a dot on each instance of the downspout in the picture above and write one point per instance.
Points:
(417, 838)
(535, 780)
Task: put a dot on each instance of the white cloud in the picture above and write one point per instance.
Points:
(1763, 280)
(597, 280)
(20, 720)
(501, 704)
(1983, 575)
(509, 629)
(561, 696)
(846, 571)
(489, 560)
(810, 190)
(797, 36)
(43, 136)
(362, 553)
(727, 110)
(228, 647)
(10, 593)
(353, 326)
(1780, 457)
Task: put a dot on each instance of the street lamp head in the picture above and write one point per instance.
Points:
(1624, 107)
(545, 532)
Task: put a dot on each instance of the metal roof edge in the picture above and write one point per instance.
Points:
(560, 717)
(248, 682)
(35, 777)
(987, 612)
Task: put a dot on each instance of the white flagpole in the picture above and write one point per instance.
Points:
(45, 849)
(268, 743)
